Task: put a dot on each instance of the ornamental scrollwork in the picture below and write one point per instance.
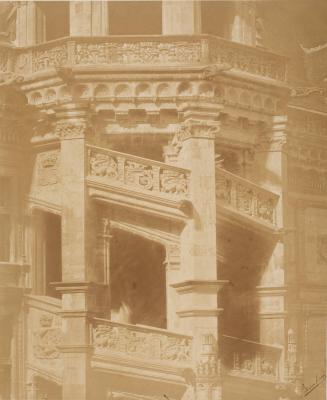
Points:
(141, 344)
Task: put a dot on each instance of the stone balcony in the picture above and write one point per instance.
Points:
(244, 199)
(143, 51)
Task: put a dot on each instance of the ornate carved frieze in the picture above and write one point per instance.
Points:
(245, 197)
(137, 52)
(47, 167)
(146, 51)
(138, 173)
(142, 343)
(47, 338)
(49, 57)
(248, 59)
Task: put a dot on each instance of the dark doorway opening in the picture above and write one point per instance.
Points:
(53, 267)
(137, 280)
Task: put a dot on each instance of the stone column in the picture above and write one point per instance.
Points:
(78, 242)
(243, 28)
(88, 18)
(30, 24)
(198, 312)
(181, 17)
(271, 173)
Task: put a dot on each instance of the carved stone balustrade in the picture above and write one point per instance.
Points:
(246, 198)
(142, 343)
(144, 50)
(250, 359)
(137, 174)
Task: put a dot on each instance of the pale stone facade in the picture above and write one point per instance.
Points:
(163, 204)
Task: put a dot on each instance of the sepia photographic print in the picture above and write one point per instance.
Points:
(163, 200)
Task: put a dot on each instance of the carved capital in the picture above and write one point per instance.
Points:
(72, 129)
(276, 142)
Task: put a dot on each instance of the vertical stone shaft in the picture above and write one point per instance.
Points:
(272, 156)
(72, 126)
(198, 290)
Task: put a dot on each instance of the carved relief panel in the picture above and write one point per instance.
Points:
(44, 337)
(45, 180)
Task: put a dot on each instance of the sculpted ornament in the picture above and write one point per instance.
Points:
(47, 338)
(211, 71)
(71, 129)
(47, 168)
(138, 173)
(144, 345)
(306, 91)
